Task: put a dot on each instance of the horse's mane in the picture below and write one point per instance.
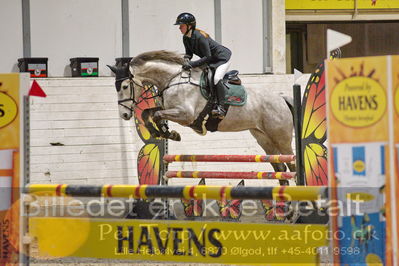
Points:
(163, 55)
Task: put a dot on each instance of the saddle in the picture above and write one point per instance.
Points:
(230, 77)
(235, 94)
(234, 90)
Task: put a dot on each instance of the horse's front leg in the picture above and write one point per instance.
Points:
(146, 116)
(163, 129)
(175, 115)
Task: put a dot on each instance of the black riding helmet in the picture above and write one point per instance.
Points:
(186, 18)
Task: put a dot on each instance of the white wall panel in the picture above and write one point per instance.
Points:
(242, 33)
(11, 45)
(64, 29)
(76, 135)
(151, 23)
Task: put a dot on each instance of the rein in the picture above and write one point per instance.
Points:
(180, 83)
(145, 89)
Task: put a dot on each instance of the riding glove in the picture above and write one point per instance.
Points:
(186, 66)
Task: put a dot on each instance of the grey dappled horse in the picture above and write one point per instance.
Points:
(266, 115)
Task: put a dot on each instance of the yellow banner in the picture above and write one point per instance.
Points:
(179, 241)
(358, 136)
(9, 168)
(9, 111)
(358, 99)
(340, 4)
(393, 233)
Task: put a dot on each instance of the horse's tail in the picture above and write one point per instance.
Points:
(290, 102)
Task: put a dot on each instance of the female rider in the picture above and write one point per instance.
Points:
(211, 53)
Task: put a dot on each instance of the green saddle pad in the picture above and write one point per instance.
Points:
(234, 94)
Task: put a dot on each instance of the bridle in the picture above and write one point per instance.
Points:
(132, 94)
(145, 89)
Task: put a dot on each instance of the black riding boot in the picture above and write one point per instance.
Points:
(219, 111)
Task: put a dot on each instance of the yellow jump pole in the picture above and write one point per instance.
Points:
(188, 192)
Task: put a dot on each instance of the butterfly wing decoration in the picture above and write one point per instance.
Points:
(314, 129)
(267, 206)
(193, 208)
(230, 209)
(274, 210)
(146, 102)
(149, 164)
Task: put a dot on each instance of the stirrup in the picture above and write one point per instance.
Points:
(219, 112)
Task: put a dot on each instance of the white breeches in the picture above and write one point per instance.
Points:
(220, 71)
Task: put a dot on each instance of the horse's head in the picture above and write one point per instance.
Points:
(125, 89)
(155, 68)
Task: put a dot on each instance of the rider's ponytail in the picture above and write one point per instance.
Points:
(206, 35)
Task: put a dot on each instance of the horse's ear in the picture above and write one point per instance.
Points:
(113, 69)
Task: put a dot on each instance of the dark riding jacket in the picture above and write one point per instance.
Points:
(209, 51)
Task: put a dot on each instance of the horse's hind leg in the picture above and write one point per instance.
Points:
(281, 209)
(286, 148)
(270, 148)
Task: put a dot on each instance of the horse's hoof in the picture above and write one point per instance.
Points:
(174, 136)
(199, 132)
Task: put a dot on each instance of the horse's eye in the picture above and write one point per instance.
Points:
(125, 87)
